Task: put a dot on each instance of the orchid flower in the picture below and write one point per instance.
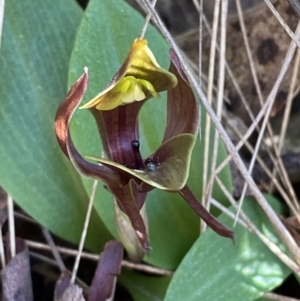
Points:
(125, 173)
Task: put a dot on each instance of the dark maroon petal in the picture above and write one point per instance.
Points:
(211, 221)
(67, 108)
(182, 109)
(16, 275)
(62, 284)
(130, 202)
(109, 266)
(72, 293)
(62, 120)
(64, 291)
(118, 128)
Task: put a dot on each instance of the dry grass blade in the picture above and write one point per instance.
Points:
(248, 49)
(11, 225)
(272, 95)
(259, 93)
(231, 75)
(54, 263)
(43, 258)
(2, 4)
(84, 232)
(228, 70)
(252, 64)
(245, 137)
(287, 112)
(267, 171)
(95, 257)
(146, 23)
(2, 254)
(199, 7)
(221, 83)
(225, 210)
(55, 252)
(206, 137)
(294, 37)
(277, 297)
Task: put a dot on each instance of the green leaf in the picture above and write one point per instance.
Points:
(37, 41)
(215, 269)
(144, 287)
(102, 43)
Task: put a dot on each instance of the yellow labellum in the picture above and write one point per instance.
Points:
(139, 77)
(127, 90)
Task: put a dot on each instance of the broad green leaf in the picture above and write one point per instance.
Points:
(215, 269)
(37, 41)
(102, 43)
(144, 287)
